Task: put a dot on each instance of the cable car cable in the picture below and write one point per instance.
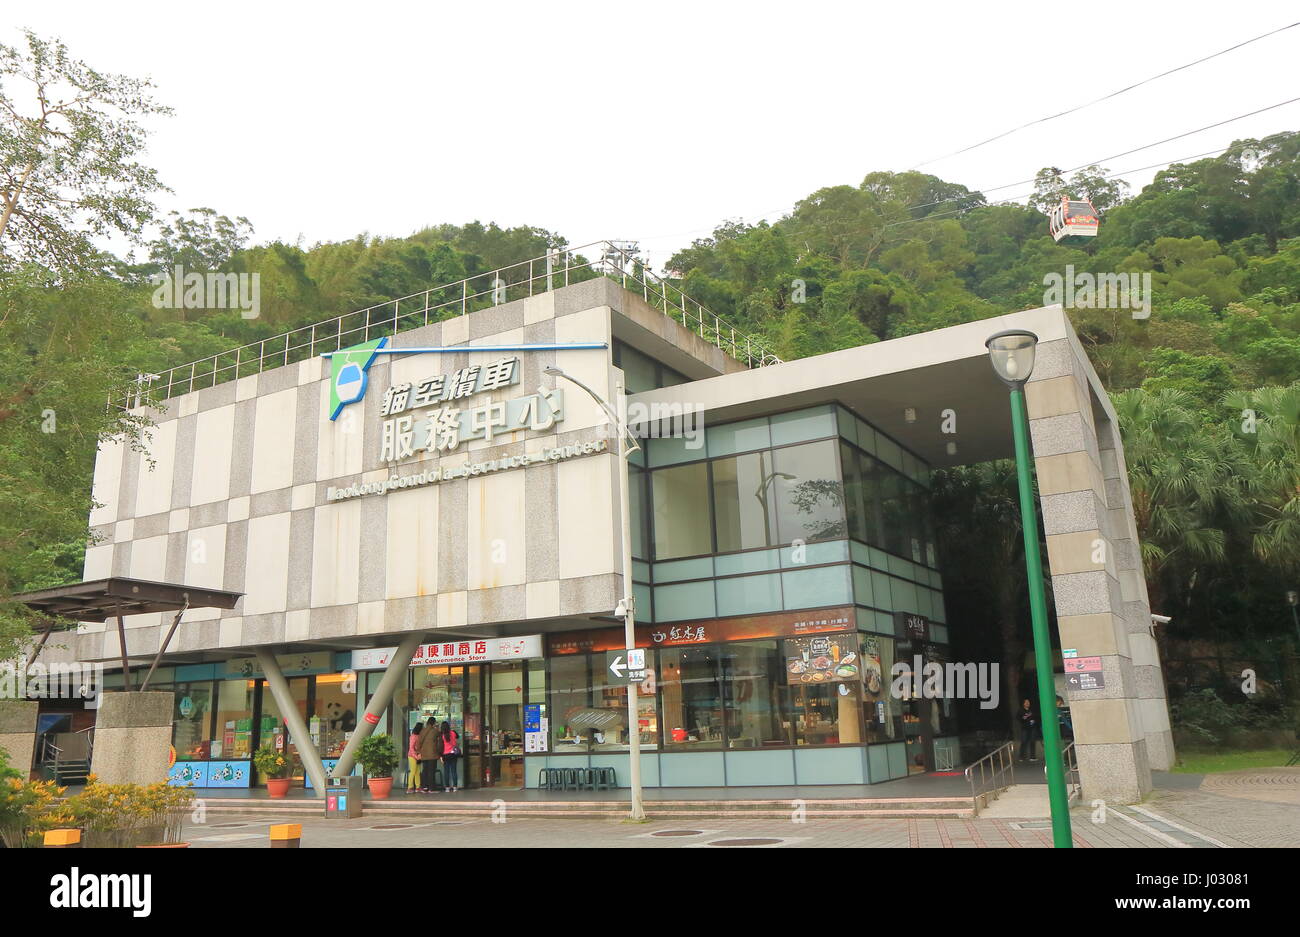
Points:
(1106, 97)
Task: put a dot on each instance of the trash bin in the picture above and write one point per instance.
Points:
(343, 796)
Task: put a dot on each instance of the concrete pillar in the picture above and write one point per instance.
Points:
(133, 737)
(18, 733)
(298, 731)
(1097, 583)
(395, 675)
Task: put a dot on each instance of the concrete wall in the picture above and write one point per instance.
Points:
(1122, 729)
(18, 732)
(235, 498)
(133, 735)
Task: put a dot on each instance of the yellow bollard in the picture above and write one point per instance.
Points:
(63, 839)
(286, 835)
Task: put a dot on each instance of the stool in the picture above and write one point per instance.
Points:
(605, 779)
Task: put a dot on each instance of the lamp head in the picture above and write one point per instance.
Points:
(1012, 355)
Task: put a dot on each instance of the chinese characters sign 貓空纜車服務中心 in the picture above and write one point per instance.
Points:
(442, 430)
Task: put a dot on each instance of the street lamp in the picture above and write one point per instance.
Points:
(1012, 355)
(627, 605)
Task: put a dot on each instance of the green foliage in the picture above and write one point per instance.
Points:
(377, 756)
(271, 763)
(1204, 719)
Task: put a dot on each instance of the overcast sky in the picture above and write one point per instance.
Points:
(319, 121)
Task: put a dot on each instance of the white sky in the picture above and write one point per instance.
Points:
(653, 121)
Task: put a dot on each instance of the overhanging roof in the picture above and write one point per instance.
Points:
(929, 373)
(102, 599)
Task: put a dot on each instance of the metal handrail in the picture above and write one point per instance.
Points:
(991, 774)
(1072, 784)
(540, 274)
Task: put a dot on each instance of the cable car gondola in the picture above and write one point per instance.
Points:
(1073, 217)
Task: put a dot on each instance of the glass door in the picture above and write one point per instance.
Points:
(474, 764)
(504, 731)
(272, 731)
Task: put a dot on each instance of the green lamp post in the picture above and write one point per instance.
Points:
(1012, 355)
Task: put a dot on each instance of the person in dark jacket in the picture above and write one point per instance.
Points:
(1030, 732)
(430, 748)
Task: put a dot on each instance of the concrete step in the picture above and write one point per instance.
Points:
(759, 809)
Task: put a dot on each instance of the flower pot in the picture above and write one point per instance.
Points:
(278, 787)
(380, 788)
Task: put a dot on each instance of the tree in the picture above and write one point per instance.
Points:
(68, 157)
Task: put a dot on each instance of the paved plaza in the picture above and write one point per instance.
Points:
(1186, 811)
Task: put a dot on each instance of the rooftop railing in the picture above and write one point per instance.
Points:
(556, 269)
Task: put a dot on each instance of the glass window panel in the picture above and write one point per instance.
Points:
(894, 510)
(809, 496)
(678, 570)
(670, 450)
(684, 602)
(813, 554)
(192, 721)
(336, 713)
(752, 683)
(274, 730)
(802, 425)
(825, 712)
(745, 594)
(889, 452)
(884, 714)
(637, 508)
(683, 523)
(880, 592)
(812, 588)
(847, 424)
(568, 695)
(862, 585)
(690, 686)
(851, 466)
(739, 437)
(871, 473)
(756, 561)
(866, 437)
(745, 514)
(234, 720)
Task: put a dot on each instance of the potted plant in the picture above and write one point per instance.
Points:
(378, 757)
(276, 767)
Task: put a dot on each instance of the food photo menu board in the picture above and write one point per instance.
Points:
(822, 658)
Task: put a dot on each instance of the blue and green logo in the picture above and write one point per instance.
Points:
(348, 378)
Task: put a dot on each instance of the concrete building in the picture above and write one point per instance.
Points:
(464, 511)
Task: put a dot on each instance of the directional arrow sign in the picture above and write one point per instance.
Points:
(618, 667)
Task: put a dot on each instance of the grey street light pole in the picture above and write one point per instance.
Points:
(1012, 356)
(627, 444)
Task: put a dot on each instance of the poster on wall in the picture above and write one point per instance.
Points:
(872, 671)
(534, 728)
(823, 658)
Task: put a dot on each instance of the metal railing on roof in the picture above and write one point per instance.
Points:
(559, 268)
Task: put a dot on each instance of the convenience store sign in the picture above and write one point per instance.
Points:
(467, 651)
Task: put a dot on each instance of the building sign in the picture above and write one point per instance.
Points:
(348, 374)
(449, 472)
(291, 665)
(442, 430)
(534, 728)
(740, 628)
(911, 625)
(823, 658)
(1082, 664)
(1086, 681)
(458, 651)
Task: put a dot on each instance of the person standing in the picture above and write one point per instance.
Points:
(1029, 731)
(450, 757)
(430, 749)
(413, 759)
